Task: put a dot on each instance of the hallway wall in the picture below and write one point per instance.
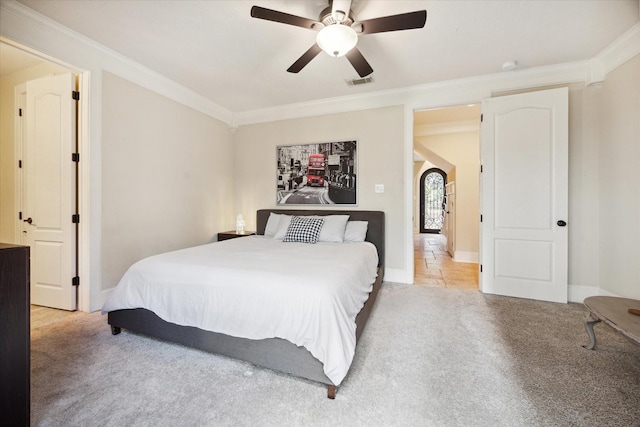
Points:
(463, 150)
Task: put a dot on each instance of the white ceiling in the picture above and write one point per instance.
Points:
(217, 50)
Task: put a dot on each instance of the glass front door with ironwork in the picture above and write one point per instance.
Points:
(432, 200)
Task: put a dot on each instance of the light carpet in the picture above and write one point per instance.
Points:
(428, 357)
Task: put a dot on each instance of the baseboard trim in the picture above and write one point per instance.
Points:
(397, 276)
(462, 256)
(577, 293)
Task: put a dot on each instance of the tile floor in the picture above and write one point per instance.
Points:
(41, 316)
(434, 266)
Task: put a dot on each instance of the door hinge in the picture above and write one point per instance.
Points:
(75, 95)
(20, 112)
(75, 281)
(20, 164)
(75, 157)
(19, 215)
(480, 268)
(481, 218)
(75, 218)
(481, 118)
(481, 170)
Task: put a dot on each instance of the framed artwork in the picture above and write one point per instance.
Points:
(317, 174)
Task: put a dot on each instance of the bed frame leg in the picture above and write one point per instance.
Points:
(115, 330)
(331, 391)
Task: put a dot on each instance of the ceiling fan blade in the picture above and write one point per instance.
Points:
(340, 9)
(403, 21)
(305, 59)
(359, 63)
(284, 18)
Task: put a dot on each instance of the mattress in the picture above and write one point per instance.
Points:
(256, 288)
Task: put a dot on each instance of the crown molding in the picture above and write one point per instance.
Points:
(450, 92)
(617, 53)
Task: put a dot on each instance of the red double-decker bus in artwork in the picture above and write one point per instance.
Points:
(315, 170)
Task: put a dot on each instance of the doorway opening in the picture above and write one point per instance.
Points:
(446, 175)
(432, 200)
(19, 66)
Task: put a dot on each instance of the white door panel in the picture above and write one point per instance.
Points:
(523, 260)
(50, 190)
(522, 169)
(524, 194)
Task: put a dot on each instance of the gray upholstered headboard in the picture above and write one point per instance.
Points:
(375, 230)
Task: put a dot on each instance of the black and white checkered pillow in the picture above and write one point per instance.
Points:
(303, 229)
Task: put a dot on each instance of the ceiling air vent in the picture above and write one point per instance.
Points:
(358, 82)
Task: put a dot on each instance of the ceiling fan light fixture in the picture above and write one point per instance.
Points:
(337, 39)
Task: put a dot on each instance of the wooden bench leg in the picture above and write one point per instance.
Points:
(331, 391)
(588, 324)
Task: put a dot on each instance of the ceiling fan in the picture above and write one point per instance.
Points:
(338, 31)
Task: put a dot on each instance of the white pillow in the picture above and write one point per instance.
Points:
(283, 226)
(333, 228)
(356, 231)
(272, 224)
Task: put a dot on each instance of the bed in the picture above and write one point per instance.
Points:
(274, 353)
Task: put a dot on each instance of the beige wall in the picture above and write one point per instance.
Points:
(619, 180)
(462, 149)
(584, 237)
(167, 176)
(7, 142)
(380, 137)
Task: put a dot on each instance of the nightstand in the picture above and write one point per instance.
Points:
(226, 235)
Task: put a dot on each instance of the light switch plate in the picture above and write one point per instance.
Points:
(379, 188)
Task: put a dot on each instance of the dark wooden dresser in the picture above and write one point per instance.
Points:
(15, 340)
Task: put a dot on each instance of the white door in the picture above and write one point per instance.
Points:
(50, 190)
(524, 195)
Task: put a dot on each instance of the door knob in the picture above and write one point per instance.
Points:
(561, 223)
(28, 220)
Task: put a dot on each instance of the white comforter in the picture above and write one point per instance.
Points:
(257, 288)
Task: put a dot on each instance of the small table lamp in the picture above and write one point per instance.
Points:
(240, 224)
